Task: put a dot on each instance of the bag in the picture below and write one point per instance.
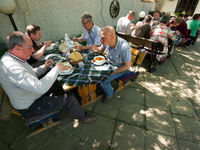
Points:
(137, 55)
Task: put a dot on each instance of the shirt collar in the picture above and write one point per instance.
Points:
(117, 43)
(15, 57)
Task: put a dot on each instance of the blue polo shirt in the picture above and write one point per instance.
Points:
(92, 37)
(120, 54)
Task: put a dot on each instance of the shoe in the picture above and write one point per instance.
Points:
(106, 99)
(88, 118)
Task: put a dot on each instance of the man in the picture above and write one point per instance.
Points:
(143, 28)
(35, 35)
(118, 52)
(28, 94)
(155, 18)
(161, 33)
(124, 23)
(91, 33)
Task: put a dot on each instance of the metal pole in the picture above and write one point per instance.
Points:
(13, 22)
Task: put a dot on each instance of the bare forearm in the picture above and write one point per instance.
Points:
(37, 55)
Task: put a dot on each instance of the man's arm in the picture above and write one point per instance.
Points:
(37, 55)
(125, 67)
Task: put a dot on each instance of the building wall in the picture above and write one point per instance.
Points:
(169, 6)
(197, 10)
(57, 17)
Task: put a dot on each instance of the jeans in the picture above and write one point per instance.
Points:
(54, 100)
(106, 86)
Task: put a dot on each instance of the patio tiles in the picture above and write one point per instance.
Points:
(187, 128)
(96, 134)
(11, 129)
(159, 121)
(186, 145)
(157, 100)
(131, 94)
(157, 141)
(131, 113)
(183, 107)
(128, 137)
(4, 146)
(109, 109)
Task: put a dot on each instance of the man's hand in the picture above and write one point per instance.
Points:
(60, 66)
(48, 63)
(47, 43)
(77, 47)
(74, 39)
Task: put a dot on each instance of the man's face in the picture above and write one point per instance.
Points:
(27, 49)
(36, 36)
(106, 38)
(156, 15)
(87, 24)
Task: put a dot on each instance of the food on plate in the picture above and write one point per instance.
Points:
(62, 46)
(75, 56)
(67, 67)
(99, 58)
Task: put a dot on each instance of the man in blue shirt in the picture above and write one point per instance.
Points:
(118, 52)
(91, 33)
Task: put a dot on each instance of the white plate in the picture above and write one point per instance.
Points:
(68, 71)
(99, 62)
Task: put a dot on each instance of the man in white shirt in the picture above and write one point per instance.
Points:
(91, 33)
(28, 94)
(124, 23)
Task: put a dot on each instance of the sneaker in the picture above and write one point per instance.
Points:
(106, 99)
(88, 118)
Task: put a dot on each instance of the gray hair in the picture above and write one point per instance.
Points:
(86, 16)
(15, 38)
(131, 13)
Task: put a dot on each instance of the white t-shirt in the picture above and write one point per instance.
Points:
(124, 25)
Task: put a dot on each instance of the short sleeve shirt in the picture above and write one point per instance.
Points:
(124, 25)
(92, 37)
(120, 54)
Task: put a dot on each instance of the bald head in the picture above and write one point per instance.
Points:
(108, 36)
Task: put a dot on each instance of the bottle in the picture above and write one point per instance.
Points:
(67, 43)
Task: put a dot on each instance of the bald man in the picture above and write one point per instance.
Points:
(118, 52)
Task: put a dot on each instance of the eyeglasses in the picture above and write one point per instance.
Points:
(84, 23)
(29, 47)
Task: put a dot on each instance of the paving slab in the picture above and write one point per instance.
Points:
(156, 141)
(159, 121)
(109, 109)
(131, 113)
(128, 137)
(99, 132)
(186, 145)
(133, 95)
(4, 146)
(10, 129)
(187, 128)
(157, 100)
(183, 107)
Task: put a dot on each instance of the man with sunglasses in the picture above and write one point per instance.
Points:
(28, 94)
(90, 35)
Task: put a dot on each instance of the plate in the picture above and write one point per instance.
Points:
(68, 69)
(98, 62)
(99, 58)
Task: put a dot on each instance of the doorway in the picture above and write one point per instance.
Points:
(187, 6)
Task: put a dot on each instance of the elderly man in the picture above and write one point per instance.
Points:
(28, 94)
(118, 52)
(35, 35)
(124, 23)
(91, 33)
(155, 18)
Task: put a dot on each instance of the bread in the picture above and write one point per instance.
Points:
(62, 46)
(75, 56)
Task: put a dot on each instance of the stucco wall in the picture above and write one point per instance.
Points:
(169, 6)
(57, 17)
(197, 10)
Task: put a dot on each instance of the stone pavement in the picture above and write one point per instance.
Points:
(159, 111)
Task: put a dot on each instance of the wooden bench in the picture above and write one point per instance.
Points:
(153, 47)
(45, 120)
